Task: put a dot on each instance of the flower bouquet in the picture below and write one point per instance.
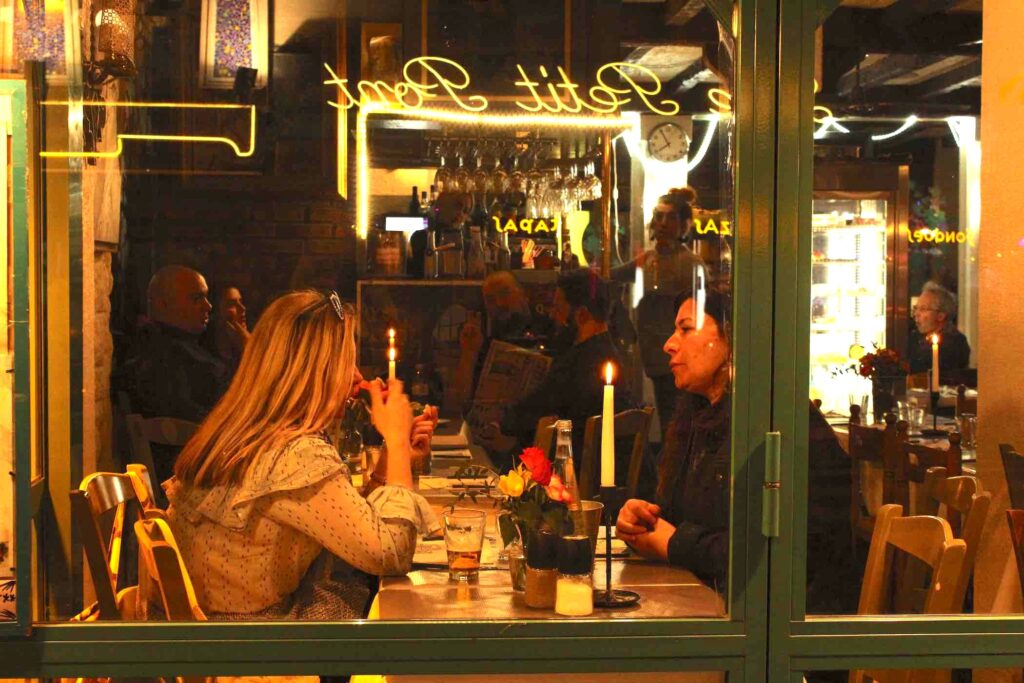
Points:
(535, 498)
(887, 372)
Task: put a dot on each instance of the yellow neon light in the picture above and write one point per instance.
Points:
(369, 108)
(721, 101)
(121, 137)
(528, 225)
(449, 79)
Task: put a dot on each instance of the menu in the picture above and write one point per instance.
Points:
(509, 374)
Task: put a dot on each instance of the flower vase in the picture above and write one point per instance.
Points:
(517, 565)
(885, 393)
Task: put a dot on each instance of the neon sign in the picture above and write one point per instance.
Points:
(940, 236)
(723, 228)
(444, 78)
(529, 226)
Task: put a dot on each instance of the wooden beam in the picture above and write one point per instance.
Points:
(905, 11)
(867, 31)
(968, 74)
(881, 71)
(643, 25)
(680, 12)
(722, 10)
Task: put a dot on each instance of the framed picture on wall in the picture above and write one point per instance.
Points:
(232, 34)
(380, 52)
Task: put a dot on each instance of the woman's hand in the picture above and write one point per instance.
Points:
(423, 426)
(651, 544)
(636, 517)
(391, 413)
(238, 334)
(471, 338)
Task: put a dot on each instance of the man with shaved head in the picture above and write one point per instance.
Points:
(168, 373)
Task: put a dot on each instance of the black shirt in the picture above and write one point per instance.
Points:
(573, 390)
(954, 351)
(696, 501)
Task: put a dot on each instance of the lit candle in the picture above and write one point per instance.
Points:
(608, 430)
(391, 337)
(391, 363)
(935, 362)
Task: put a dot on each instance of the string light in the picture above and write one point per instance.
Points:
(907, 125)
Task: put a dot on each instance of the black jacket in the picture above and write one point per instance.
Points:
(954, 352)
(697, 500)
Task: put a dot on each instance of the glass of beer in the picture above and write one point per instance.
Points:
(464, 540)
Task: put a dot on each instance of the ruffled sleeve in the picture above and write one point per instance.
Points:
(303, 462)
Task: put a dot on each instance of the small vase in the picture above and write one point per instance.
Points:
(885, 393)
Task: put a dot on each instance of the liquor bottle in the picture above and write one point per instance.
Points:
(414, 202)
(424, 203)
(566, 471)
(504, 260)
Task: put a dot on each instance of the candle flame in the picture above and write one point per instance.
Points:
(935, 339)
(391, 353)
(608, 373)
(391, 335)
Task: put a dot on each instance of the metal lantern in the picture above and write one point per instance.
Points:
(113, 36)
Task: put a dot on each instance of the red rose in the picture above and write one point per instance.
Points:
(538, 464)
(557, 491)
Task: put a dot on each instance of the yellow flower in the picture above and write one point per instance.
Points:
(512, 484)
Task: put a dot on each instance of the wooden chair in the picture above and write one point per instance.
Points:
(964, 404)
(918, 380)
(544, 436)
(941, 496)
(1013, 468)
(165, 431)
(872, 453)
(1015, 518)
(100, 507)
(629, 423)
(918, 458)
(930, 540)
(163, 573)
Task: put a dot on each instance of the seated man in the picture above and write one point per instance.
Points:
(509, 319)
(574, 386)
(168, 373)
(935, 313)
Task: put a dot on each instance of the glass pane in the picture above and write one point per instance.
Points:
(909, 315)
(872, 675)
(492, 222)
(8, 589)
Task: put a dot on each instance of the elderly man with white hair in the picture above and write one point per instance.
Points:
(935, 313)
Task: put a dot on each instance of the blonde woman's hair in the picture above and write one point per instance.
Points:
(294, 378)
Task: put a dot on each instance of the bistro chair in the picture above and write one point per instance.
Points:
(544, 436)
(928, 539)
(916, 460)
(629, 423)
(964, 404)
(162, 431)
(1013, 468)
(942, 496)
(163, 577)
(1015, 518)
(100, 507)
(870, 449)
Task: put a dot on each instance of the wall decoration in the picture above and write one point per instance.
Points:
(32, 30)
(380, 52)
(233, 34)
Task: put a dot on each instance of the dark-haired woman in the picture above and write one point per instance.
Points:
(688, 526)
(669, 270)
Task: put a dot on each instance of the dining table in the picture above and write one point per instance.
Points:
(426, 593)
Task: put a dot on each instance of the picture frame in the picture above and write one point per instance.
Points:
(215, 66)
(380, 52)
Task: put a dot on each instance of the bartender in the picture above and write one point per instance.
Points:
(451, 211)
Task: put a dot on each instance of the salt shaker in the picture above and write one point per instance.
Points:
(574, 589)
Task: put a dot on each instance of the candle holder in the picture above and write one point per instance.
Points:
(934, 432)
(611, 598)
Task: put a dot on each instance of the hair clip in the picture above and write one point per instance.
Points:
(336, 303)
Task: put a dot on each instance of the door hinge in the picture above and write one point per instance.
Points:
(772, 484)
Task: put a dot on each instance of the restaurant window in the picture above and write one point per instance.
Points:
(914, 434)
(521, 232)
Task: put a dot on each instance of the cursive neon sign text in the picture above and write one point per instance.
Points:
(617, 84)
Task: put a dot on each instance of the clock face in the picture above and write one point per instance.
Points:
(667, 142)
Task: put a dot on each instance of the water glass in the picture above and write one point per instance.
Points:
(968, 431)
(916, 417)
(464, 540)
(862, 401)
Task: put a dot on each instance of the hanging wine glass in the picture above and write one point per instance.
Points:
(442, 177)
(460, 178)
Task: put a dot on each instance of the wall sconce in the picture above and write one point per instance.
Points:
(113, 57)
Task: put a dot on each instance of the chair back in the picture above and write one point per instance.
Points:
(544, 436)
(100, 507)
(942, 496)
(872, 452)
(165, 431)
(629, 423)
(918, 380)
(1013, 468)
(1015, 518)
(918, 458)
(964, 404)
(163, 573)
(927, 539)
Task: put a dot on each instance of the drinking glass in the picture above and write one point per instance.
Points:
(968, 431)
(916, 417)
(464, 540)
(862, 401)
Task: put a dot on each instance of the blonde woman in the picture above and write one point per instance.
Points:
(266, 516)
